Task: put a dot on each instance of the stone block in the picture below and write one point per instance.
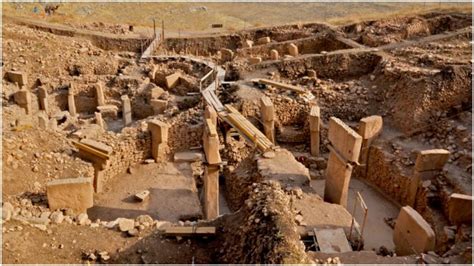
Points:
(338, 176)
(293, 49)
(274, 54)
(156, 92)
(17, 77)
(370, 127)
(99, 120)
(263, 40)
(254, 60)
(188, 156)
(412, 234)
(173, 80)
(428, 160)
(344, 139)
(460, 209)
(159, 106)
(227, 54)
(211, 192)
(247, 44)
(142, 195)
(73, 193)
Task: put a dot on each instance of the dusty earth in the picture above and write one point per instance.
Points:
(413, 70)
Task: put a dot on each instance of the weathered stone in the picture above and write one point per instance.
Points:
(99, 120)
(74, 193)
(43, 121)
(210, 113)
(268, 117)
(108, 110)
(344, 139)
(311, 73)
(83, 219)
(412, 234)
(460, 208)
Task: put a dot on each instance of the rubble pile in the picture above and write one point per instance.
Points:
(268, 232)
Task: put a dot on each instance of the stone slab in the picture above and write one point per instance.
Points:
(428, 160)
(332, 240)
(97, 145)
(344, 139)
(188, 156)
(460, 208)
(73, 193)
(412, 234)
(293, 49)
(263, 40)
(266, 108)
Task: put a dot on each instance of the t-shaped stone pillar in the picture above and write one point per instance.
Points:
(43, 99)
(99, 93)
(268, 117)
(99, 120)
(159, 138)
(346, 148)
(126, 110)
(428, 162)
(70, 101)
(369, 129)
(23, 99)
(314, 128)
(412, 234)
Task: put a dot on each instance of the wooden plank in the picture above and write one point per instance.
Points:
(282, 85)
(189, 230)
(89, 149)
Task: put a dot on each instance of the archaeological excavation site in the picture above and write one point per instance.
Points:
(292, 143)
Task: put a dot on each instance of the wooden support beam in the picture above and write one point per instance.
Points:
(189, 231)
(282, 85)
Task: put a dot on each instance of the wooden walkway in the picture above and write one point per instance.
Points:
(226, 113)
